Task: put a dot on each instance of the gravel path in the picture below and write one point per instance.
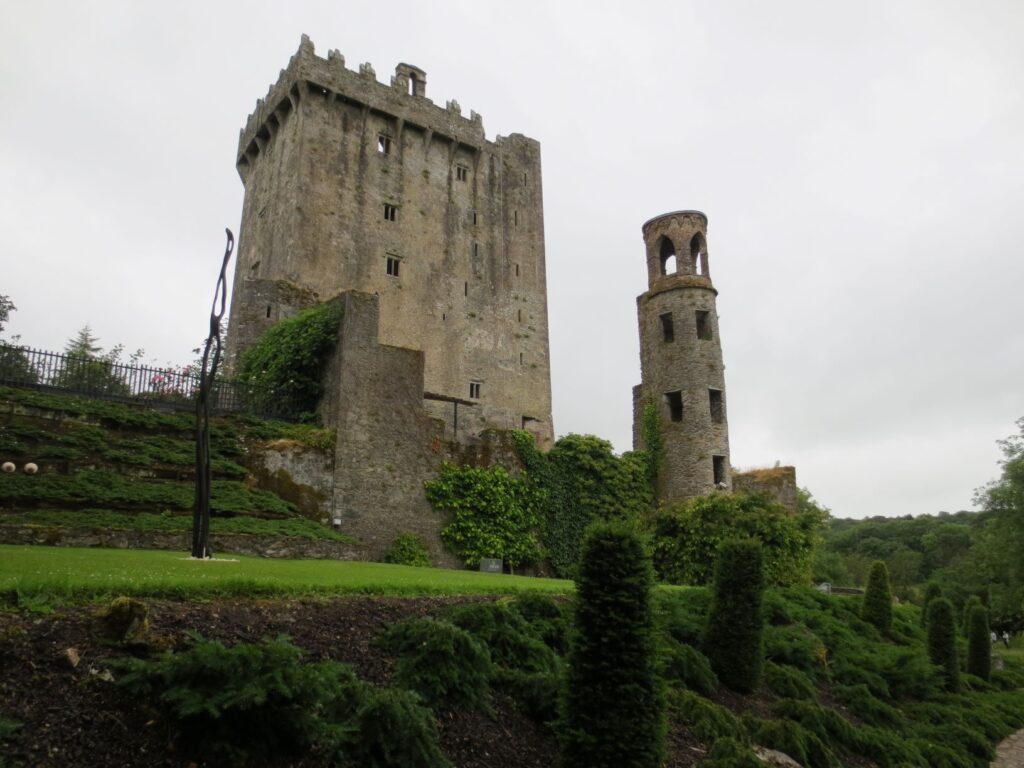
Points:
(1010, 752)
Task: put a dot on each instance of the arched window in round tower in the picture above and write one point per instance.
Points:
(667, 252)
(698, 255)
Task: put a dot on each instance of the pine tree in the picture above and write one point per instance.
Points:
(877, 607)
(931, 592)
(979, 643)
(734, 638)
(942, 641)
(614, 713)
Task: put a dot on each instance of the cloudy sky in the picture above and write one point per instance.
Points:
(861, 166)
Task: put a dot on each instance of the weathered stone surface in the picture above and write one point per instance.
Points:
(464, 224)
(779, 483)
(262, 546)
(681, 357)
(297, 473)
(775, 758)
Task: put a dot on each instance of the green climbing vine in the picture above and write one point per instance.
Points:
(289, 358)
(654, 444)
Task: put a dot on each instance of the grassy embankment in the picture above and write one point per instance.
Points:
(108, 466)
(46, 575)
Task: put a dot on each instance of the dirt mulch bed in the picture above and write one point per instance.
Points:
(75, 715)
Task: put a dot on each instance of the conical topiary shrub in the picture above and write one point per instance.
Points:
(931, 592)
(877, 607)
(942, 641)
(965, 618)
(734, 638)
(979, 643)
(614, 712)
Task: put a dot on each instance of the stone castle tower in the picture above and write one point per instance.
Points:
(681, 359)
(354, 185)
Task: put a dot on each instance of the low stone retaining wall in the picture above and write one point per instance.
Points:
(242, 544)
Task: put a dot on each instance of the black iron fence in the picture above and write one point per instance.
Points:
(170, 388)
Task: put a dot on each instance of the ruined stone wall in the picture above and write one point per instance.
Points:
(387, 445)
(682, 361)
(778, 483)
(344, 174)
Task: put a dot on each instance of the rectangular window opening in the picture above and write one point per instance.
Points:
(474, 218)
(715, 399)
(393, 264)
(390, 212)
(675, 405)
(461, 173)
(718, 469)
(474, 390)
(384, 144)
(517, 270)
(519, 315)
(515, 218)
(465, 289)
(668, 331)
(268, 310)
(703, 325)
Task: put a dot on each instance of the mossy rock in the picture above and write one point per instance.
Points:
(126, 618)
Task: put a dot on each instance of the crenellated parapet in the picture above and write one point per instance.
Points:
(307, 75)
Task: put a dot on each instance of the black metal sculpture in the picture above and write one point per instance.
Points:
(207, 375)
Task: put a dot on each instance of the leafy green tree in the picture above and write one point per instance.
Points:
(87, 368)
(493, 514)
(614, 709)
(995, 557)
(979, 643)
(877, 607)
(931, 592)
(14, 365)
(942, 641)
(734, 638)
(687, 537)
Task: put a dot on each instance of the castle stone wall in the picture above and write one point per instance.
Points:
(349, 180)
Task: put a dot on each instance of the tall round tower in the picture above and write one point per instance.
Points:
(681, 368)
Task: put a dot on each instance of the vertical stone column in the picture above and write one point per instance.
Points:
(682, 374)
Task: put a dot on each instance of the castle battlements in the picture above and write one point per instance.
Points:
(405, 100)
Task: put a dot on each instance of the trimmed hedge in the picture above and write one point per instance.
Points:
(614, 709)
(877, 608)
(734, 639)
(942, 642)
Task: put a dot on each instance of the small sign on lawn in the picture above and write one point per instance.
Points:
(490, 564)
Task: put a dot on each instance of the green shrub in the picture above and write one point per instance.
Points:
(687, 537)
(827, 724)
(687, 665)
(614, 711)
(246, 702)
(580, 481)
(862, 703)
(965, 614)
(408, 549)
(734, 640)
(731, 753)
(493, 514)
(547, 617)
(708, 721)
(931, 592)
(288, 360)
(510, 640)
(684, 614)
(888, 748)
(788, 683)
(942, 641)
(442, 663)
(791, 738)
(979, 644)
(795, 646)
(877, 608)
(391, 728)
(535, 693)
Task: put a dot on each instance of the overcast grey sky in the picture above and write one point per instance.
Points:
(861, 166)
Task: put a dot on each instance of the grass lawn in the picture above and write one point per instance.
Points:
(44, 575)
